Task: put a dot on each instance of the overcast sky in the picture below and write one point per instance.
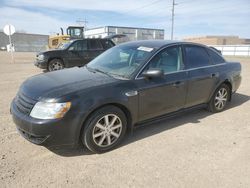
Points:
(192, 17)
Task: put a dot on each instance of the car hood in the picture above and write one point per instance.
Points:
(60, 83)
(52, 51)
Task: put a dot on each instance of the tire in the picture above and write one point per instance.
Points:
(97, 136)
(219, 99)
(55, 64)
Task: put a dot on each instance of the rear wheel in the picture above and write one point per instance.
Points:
(105, 129)
(220, 98)
(55, 64)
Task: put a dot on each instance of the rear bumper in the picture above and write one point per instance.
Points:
(237, 82)
(49, 133)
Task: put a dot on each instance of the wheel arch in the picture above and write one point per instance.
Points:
(225, 81)
(118, 105)
(229, 84)
(53, 58)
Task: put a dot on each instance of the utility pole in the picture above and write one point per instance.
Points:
(82, 22)
(172, 28)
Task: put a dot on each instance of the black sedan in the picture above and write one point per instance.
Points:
(125, 86)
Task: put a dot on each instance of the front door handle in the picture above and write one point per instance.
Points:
(178, 83)
(131, 93)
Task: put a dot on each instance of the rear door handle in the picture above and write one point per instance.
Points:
(214, 75)
(86, 57)
(178, 83)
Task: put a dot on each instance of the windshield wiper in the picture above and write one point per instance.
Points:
(90, 69)
(120, 76)
(97, 70)
(106, 73)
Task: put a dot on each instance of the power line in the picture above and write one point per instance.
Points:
(206, 4)
(153, 9)
(124, 14)
(144, 6)
(188, 1)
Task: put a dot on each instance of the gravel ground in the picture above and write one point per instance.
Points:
(195, 149)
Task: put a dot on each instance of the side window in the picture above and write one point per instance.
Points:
(107, 44)
(95, 45)
(79, 46)
(84, 45)
(196, 56)
(169, 60)
(216, 58)
(55, 42)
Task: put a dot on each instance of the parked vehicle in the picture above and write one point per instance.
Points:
(127, 85)
(74, 53)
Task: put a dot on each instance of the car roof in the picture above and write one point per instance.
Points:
(89, 39)
(157, 43)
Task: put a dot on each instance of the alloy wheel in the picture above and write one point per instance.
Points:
(221, 99)
(56, 66)
(107, 130)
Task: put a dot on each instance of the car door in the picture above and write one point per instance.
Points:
(158, 96)
(77, 53)
(202, 75)
(94, 48)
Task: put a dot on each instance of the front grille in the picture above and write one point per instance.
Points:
(32, 138)
(24, 104)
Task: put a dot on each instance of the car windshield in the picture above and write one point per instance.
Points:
(65, 45)
(121, 61)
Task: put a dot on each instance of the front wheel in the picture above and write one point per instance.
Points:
(219, 100)
(105, 129)
(55, 64)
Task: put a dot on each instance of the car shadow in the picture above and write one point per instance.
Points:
(153, 128)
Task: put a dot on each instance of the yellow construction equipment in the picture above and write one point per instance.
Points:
(72, 32)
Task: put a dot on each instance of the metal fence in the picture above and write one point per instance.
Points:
(24, 42)
(234, 50)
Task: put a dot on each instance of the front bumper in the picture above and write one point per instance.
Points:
(49, 133)
(41, 64)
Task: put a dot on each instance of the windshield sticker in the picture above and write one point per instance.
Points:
(146, 49)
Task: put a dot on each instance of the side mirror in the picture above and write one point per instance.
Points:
(153, 73)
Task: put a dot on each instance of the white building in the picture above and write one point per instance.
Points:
(131, 32)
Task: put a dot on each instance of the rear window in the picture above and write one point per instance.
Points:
(196, 57)
(215, 57)
(107, 44)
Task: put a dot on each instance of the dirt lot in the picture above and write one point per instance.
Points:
(197, 149)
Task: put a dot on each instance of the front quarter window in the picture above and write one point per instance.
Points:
(120, 61)
(65, 45)
(78, 46)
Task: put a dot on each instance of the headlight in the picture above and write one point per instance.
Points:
(49, 110)
(40, 57)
